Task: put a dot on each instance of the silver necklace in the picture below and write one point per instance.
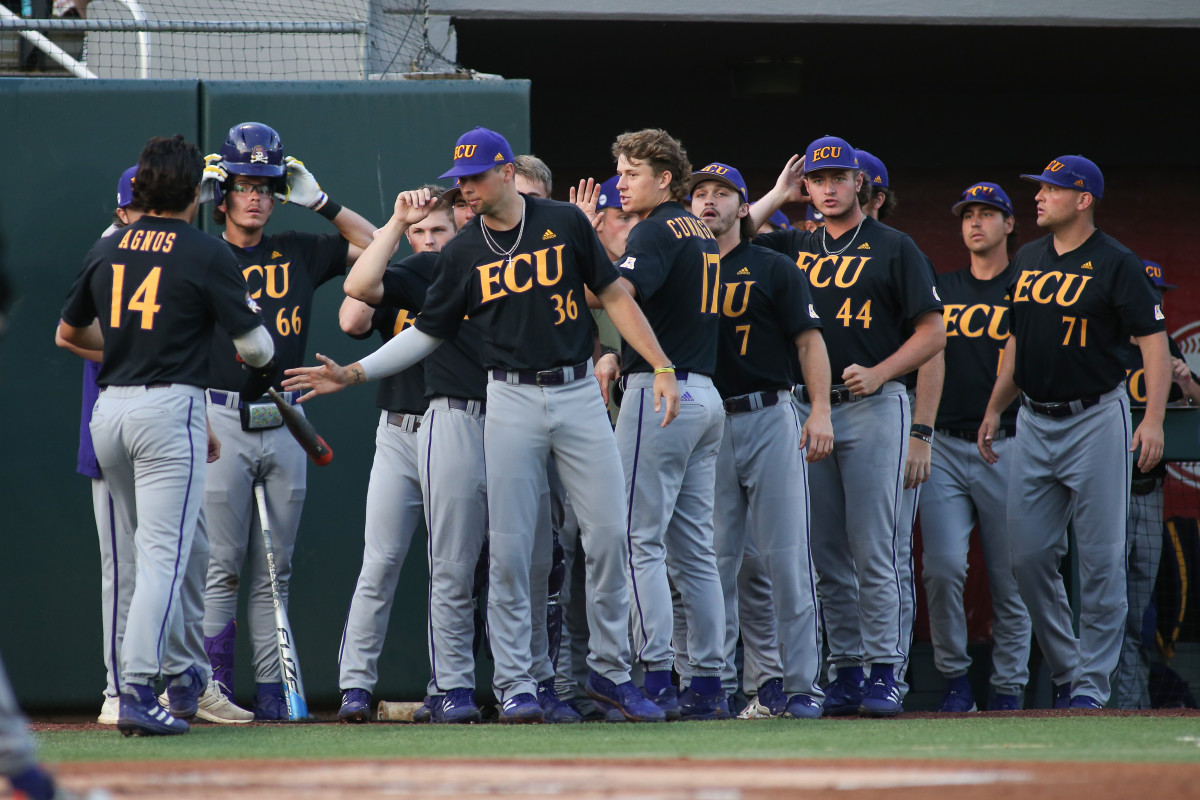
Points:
(825, 249)
(495, 247)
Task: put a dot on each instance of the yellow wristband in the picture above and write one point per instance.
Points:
(668, 368)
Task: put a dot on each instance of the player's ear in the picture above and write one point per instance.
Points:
(664, 179)
(744, 210)
(1084, 201)
(1009, 222)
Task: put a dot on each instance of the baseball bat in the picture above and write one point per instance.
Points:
(289, 661)
(303, 430)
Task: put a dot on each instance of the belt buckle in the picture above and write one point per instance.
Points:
(839, 396)
(548, 377)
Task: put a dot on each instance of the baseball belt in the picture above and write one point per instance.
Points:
(837, 394)
(971, 436)
(750, 402)
(1066, 408)
(409, 423)
(233, 400)
(559, 376)
(681, 375)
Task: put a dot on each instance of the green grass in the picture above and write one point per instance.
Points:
(1124, 739)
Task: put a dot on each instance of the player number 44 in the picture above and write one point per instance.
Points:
(288, 325)
(846, 314)
(566, 309)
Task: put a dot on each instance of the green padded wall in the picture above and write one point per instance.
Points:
(65, 142)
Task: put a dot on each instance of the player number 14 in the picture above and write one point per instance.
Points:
(144, 300)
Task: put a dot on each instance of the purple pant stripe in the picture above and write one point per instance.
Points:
(187, 495)
(899, 502)
(429, 551)
(116, 598)
(637, 449)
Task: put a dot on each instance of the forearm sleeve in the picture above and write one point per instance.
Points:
(399, 353)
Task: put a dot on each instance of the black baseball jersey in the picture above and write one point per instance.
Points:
(160, 289)
(868, 295)
(404, 391)
(976, 316)
(531, 309)
(282, 272)
(673, 261)
(455, 368)
(764, 305)
(1071, 314)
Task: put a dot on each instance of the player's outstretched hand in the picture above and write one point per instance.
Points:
(666, 394)
(211, 179)
(328, 378)
(606, 371)
(1150, 438)
(586, 198)
(987, 436)
(412, 206)
(302, 186)
(916, 467)
(862, 381)
(817, 434)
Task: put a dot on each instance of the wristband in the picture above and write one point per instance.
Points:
(924, 438)
(924, 430)
(669, 368)
(329, 209)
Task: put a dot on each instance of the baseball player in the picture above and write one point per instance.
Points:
(282, 272)
(768, 327)
(534, 178)
(813, 219)
(868, 283)
(672, 266)
(963, 490)
(880, 198)
(1144, 526)
(461, 210)
(525, 291)
(394, 504)
(117, 554)
(1077, 295)
(159, 289)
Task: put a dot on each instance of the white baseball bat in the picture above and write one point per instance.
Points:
(289, 661)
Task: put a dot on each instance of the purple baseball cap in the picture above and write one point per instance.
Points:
(1072, 172)
(1155, 273)
(125, 187)
(779, 220)
(830, 152)
(876, 171)
(478, 151)
(722, 173)
(812, 215)
(990, 194)
(609, 196)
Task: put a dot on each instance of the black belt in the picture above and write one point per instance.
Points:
(458, 404)
(837, 394)
(233, 399)
(972, 436)
(750, 402)
(1064, 409)
(681, 375)
(545, 377)
(408, 422)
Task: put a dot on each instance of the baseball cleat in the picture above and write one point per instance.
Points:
(215, 706)
(625, 698)
(220, 654)
(803, 706)
(1062, 695)
(844, 694)
(771, 696)
(269, 705)
(356, 706)
(958, 697)
(1006, 702)
(755, 710)
(183, 693)
(425, 712)
(557, 710)
(141, 715)
(881, 696)
(110, 712)
(1083, 701)
(667, 700)
(703, 706)
(521, 708)
(457, 708)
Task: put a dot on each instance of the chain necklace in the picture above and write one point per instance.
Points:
(494, 246)
(825, 249)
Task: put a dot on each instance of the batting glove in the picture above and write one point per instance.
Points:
(302, 187)
(210, 181)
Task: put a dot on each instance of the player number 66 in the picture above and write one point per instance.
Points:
(286, 326)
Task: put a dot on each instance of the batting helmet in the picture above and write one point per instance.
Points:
(252, 148)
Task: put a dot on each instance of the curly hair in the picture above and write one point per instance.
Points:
(662, 151)
(169, 171)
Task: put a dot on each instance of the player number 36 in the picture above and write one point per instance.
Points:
(566, 309)
(288, 325)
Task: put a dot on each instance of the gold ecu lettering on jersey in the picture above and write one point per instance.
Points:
(731, 293)
(973, 321)
(273, 276)
(688, 227)
(842, 271)
(1135, 384)
(499, 278)
(404, 319)
(1050, 288)
(147, 241)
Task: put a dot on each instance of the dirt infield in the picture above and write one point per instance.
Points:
(647, 780)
